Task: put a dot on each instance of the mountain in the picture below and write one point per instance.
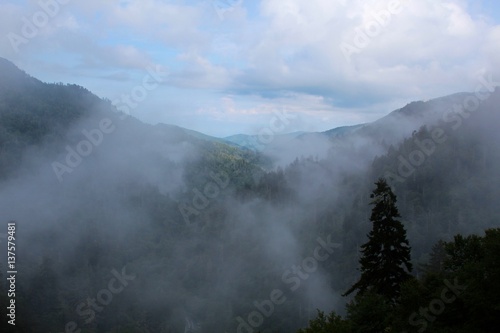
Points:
(129, 227)
(387, 131)
(397, 125)
(34, 114)
(177, 131)
(256, 143)
(342, 131)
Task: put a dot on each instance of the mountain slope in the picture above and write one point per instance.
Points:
(33, 114)
(254, 142)
(203, 234)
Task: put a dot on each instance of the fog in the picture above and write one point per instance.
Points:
(201, 262)
(208, 166)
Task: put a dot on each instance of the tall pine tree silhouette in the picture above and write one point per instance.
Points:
(385, 262)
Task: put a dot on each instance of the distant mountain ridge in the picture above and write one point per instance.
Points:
(413, 116)
(34, 113)
(184, 132)
(255, 142)
(15, 82)
(418, 113)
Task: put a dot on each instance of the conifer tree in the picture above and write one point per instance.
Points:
(385, 262)
(437, 259)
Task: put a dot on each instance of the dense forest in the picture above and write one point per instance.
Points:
(455, 291)
(159, 230)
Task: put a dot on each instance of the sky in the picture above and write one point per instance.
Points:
(225, 67)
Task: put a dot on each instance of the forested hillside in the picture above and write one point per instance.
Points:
(207, 236)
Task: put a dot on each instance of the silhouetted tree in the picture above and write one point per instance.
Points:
(385, 263)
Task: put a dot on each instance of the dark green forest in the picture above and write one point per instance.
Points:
(456, 291)
(161, 231)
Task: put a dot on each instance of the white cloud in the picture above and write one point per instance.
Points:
(299, 46)
(198, 72)
(271, 54)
